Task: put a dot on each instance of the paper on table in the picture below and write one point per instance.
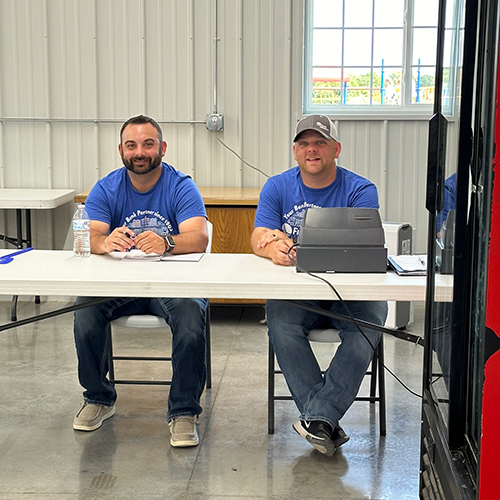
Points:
(186, 257)
(137, 255)
(409, 265)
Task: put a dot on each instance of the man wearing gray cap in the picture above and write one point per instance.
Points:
(317, 181)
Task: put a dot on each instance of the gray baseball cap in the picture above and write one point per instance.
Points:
(319, 123)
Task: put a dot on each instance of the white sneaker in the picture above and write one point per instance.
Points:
(91, 416)
(183, 431)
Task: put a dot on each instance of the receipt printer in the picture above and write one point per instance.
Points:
(342, 240)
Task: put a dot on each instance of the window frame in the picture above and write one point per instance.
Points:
(406, 110)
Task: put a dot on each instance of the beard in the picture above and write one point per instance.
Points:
(144, 168)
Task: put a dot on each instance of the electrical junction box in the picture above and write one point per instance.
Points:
(215, 122)
(399, 241)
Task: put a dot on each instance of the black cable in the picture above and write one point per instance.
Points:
(239, 157)
(351, 319)
(395, 333)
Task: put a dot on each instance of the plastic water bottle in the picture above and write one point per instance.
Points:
(81, 232)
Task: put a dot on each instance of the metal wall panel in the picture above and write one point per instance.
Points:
(72, 70)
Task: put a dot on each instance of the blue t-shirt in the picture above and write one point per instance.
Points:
(173, 199)
(450, 199)
(285, 198)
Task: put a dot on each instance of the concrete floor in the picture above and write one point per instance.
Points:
(129, 457)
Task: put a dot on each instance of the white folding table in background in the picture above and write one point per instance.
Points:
(20, 199)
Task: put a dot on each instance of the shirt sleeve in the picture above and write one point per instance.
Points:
(189, 201)
(365, 196)
(97, 205)
(268, 212)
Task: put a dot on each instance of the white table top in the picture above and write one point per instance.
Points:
(241, 276)
(34, 198)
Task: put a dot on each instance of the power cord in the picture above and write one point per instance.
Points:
(240, 158)
(350, 318)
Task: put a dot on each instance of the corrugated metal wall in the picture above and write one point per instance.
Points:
(71, 71)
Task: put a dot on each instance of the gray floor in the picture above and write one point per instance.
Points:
(41, 457)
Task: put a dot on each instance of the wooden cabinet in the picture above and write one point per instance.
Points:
(232, 213)
(233, 227)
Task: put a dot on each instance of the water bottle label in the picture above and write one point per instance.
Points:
(81, 225)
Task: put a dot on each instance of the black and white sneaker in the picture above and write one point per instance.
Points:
(339, 437)
(317, 433)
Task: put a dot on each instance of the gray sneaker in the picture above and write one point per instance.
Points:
(91, 416)
(183, 431)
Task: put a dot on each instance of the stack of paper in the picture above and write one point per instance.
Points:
(409, 265)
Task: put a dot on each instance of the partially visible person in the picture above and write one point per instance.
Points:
(317, 181)
(148, 205)
(442, 316)
(450, 200)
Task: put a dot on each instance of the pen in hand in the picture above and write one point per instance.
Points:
(127, 233)
(130, 236)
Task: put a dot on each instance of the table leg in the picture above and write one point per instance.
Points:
(13, 308)
(52, 314)
(19, 244)
(19, 228)
(28, 227)
(28, 241)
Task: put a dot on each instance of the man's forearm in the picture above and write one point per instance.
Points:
(261, 252)
(190, 242)
(97, 242)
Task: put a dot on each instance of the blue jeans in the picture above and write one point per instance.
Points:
(186, 318)
(323, 397)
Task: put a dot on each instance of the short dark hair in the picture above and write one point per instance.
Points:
(140, 119)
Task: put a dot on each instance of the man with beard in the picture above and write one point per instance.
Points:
(149, 205)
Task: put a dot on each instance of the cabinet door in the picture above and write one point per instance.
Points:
(233, 228)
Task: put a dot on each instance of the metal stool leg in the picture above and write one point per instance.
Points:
(13, 308)
(110, 355)
(270, 390)
(381, 388)
(208, 348)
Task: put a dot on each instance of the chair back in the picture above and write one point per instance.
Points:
(210, 230)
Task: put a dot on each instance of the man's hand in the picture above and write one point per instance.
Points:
(274, 245)
(280, 253)
(150, 242)
(120, 239)
(269, 237)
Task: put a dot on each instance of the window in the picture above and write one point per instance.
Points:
(376, 56)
